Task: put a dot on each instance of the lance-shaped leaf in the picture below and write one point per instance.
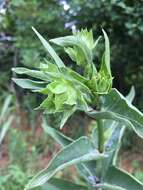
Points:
(4, 110)
(50, 50)
(4, 128)
(103, 81)
(106, 59)
(117, 179)
(33, 73)
(87, 169)
(116, 107)
(115, 131)
(81, 150)
(59, 184)
(29, 84)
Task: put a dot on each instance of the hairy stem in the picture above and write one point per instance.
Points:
(100, 136)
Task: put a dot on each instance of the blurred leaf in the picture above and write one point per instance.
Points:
(5, 107)
(4, 128)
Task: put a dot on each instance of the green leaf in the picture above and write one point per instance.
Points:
(103, 81)
(74, 41)
(120, 180)
(59, 184)
(79, 151)
(116, 107)
(106, 62)
(51, 70)
(33, 73)
(86, 170)
(29, 84)
(81, 52)
(114, 141)
(113, 132)
(5, 107)
(50, 50)
(131, 95)
(74, 76)
(4, 128)
(48, 105)
(57, 87)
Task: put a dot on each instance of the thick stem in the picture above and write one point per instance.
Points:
(100, 136)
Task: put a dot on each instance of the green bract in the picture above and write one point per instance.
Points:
(66, 91)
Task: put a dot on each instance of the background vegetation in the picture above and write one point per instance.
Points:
(25, 143)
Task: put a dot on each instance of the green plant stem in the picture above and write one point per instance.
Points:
(100, 136)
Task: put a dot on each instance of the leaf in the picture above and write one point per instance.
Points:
(79, 151)
(121, 180)
(29, 84)
(5, 107)
(72, 75)
(57, 87)
(106, 62)
(4, 128)
(81, 52)
(33, 73)
(116, 107)
(50, 50)
(59, 184)
(48, 105)
(113, 132)
(114, 141)
(131, 95)
(86, 170)
(103, 81)
(74, 41)
(51, 70)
